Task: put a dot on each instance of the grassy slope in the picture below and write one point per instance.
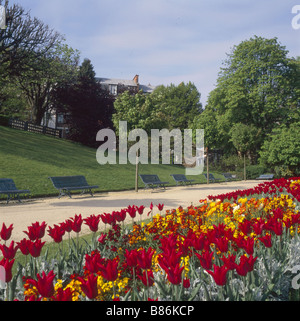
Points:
(30, 159)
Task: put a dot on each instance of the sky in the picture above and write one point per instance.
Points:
(165, 41)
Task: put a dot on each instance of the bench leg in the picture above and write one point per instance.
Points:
(18, 196)
(63, 192)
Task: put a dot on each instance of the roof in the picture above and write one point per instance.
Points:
(116, 81)
(147, 88)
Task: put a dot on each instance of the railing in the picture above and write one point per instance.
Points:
(27, 126)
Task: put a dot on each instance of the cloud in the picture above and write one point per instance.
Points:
(165, 40)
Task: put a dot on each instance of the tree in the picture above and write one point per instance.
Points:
(257, 86)
(58, 65)
(87, 106)
(129, 107)
(166, 107)
(34, 58)
(244, 138)
(86, 70)
(178, 105)
(281, 150)
(23, 40)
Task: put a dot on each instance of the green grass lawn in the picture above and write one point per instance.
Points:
(29, 159)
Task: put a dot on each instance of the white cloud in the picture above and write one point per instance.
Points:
(165, 40)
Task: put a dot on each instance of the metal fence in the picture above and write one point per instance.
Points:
(27, 126)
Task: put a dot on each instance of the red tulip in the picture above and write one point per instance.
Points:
(92, 261)
(248, 245)
(145, 258)
(229, 261)
(9, 252)
(160, 207)
(245, 226)
(118, 216)
(76, 223)
(219, 274)
(222, 244)
(168, 243)
(131, 257)
(169, 259)
(102, 238)
(110, 271)
(67, 225)
(7, 264)
(266, 240)
(35, 248)
(123, 214)
(44, 284)
(24, 246)
(5, 232)
(258, 227)
(57, 232)
(246, 265)
(36, 231)
(108, 219)
(205, 259)
(131, 210)
(186, 283)
(151, 209)
(198, 242)
(140, 209)
(175, 274)
(92, 222)
(147, 278)
(278, 229)
(89, 286)
(63, 295)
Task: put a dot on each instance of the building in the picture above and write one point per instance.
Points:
(114, 86)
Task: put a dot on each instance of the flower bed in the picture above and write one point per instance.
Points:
(238, 246)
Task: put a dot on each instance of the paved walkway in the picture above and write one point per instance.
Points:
(54, 210)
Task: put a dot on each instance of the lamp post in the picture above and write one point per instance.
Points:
(207, 165)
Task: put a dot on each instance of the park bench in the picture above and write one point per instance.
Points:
(152, 181)
(228, 177)
(265, 177)
(66, 184)
(212, 178)
(8, 187)
(181, 179)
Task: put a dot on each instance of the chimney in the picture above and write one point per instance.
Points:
(136, 79)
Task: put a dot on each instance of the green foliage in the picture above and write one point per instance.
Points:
(87, 106)
(258, 87)
(244, 137)
(167, 107)
(282, 150)
(33, 60)
(13, 103)
(253, 171)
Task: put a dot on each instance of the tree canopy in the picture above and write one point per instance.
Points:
(258, 86)
(281, 150)
(166, 107)
(86, 105)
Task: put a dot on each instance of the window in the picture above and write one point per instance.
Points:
(113, 89)
(60, 118)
